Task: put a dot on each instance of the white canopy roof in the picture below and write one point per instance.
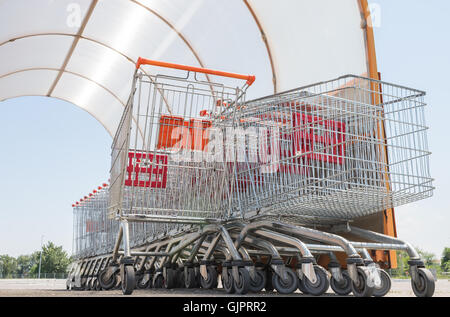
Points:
(84, 51)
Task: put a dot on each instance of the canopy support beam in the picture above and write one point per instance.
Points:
(266, 43)
(74, 45)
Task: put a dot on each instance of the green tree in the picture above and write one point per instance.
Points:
(26, 262)
(402, 264)
(445, 260)
(403, 258)
(8, 265)
(427, 257)
(54, 260)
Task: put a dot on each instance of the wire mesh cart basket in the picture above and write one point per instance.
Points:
(333, 152)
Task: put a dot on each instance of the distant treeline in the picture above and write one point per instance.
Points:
(54, 260)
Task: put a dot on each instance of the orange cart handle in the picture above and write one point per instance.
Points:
(142, 61)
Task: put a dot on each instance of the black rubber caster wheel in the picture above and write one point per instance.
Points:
(425, 284)
(170, 281)
(257, 284)
(128, 279)
(269, 285)
(150, 281)
(180, 282)
(361, 289)
(385, 286)
(107, 284)
(118, 285)
(344, 287)
(95, 285)
(321, 285)
(228, 285)
(190, 278)
(99, 288)
(241, 287)
(211, 281)
(158, 281)
(198, 278)
(301, 287)
(285, 287)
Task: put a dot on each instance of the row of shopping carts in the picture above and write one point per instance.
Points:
(206, 184)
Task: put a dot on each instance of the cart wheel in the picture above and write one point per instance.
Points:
(242, 287)
(95, 285)
(180, 283)
(361, 289)
(385, 286)
(159, 281)
(128, 279)
(302, 288)
(269, 285)
(171, 279)
(321, 285)
(107, 284)
(285, 287)
(198, 279)
(99, 288)
(344, 287)
(190, 279)
(211, 281)
(258, 283)
(228, 286)
(425, 286)
(150, 281)
(118, 285)
(140, 282)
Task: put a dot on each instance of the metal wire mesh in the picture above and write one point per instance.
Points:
(160, 166)
(94, 231)
(336, 150)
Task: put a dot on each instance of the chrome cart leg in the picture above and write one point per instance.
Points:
(274, 261)
(240, 274)
(208, 268)
(353, 259)
(307, 259)
(127, 272)
(191, 275)
(422, 280)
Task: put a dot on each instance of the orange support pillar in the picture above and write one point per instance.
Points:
(389, 227)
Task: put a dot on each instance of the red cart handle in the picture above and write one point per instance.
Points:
(142, 61)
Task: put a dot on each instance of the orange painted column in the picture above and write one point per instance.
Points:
(388, 215)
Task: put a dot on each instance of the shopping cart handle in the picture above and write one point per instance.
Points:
(142, 61)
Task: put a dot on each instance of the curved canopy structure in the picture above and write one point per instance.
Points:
(84, 51)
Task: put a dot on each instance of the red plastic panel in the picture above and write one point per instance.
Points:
(146, 170)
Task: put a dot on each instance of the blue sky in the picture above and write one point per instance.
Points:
(53, 153)
(413, 49)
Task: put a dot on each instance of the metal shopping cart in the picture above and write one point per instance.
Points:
(329, 154)
(161, 173)
(333, 152)
(205, 183)
(93, 235)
